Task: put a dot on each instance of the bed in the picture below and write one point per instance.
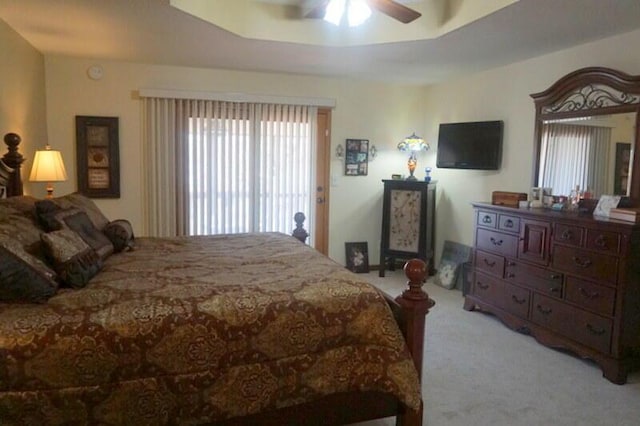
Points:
(226, 329)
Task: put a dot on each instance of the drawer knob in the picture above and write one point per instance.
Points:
(601, 241)
(482, 285)
(583, 263)
(486, 219)
(543, 310)
(518, 301)
(511, 263)
(496, 242)
(489, 264)
(587, 294)
(508, 223)
(594, 330)
(566, 235)
(555, 276)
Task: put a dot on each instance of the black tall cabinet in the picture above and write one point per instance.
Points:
(408, 222)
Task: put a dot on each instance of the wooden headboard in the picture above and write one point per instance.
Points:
(10, 163)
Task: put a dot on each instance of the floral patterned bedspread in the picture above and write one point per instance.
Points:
(198, 329)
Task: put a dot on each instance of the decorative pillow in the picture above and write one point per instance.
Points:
(74, 261)
(45, 213)
(22, 205)
(23, 278)
(18, 221)
(120, 233)
(79, 221)
(86, 204)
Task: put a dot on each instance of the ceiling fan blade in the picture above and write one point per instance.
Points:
(395, 10)
(315, 10)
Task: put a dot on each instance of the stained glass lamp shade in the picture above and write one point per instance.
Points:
(413, 144)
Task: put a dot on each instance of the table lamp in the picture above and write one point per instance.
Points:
(413, 144)
(48, 167)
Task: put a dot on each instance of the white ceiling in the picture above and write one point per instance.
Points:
(151, 31)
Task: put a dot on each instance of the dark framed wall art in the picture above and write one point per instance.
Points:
(356, 159)
(98, 156)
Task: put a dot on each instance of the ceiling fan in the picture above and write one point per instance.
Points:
(391, 8)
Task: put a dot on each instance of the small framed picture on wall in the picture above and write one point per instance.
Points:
(356, 159)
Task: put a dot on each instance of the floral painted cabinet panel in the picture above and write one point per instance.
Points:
(408, 220)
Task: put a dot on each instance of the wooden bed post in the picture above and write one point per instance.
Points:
(300, 233)
(415, 304)
(14, 160)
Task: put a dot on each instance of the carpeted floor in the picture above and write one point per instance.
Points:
(478, 372)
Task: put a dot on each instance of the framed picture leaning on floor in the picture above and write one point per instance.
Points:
(357, 257)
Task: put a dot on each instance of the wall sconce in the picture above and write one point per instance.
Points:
(339, 151)
(373, 152)
(48, 167)
(413, 144)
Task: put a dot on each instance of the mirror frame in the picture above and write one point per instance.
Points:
(590, 91)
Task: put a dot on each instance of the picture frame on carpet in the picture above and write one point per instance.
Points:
(357, 257)
(453, 256)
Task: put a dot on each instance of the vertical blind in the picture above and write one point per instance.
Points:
(574, 155)
(247, 167)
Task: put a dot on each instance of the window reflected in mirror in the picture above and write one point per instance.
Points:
(592, 152)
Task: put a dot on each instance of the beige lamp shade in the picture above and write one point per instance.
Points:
(48, 167)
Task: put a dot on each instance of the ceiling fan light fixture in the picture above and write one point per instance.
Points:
(358, 12)
(334, 11)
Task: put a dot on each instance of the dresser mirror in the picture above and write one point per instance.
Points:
(586, 134)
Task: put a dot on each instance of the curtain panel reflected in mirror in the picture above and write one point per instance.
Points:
(575, 155)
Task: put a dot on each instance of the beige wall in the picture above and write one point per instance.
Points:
(503, 94)
(381, 113)
(22, 96)
(378, 112)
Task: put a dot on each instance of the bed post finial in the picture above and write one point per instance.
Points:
(415, 304)
(14, 160)
(300, 233)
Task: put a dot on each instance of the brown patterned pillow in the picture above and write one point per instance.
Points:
(18, 221)
(45, 213)
(120, 233)
(79, 221)
(23, 278)
(86, 204)
(74, 261)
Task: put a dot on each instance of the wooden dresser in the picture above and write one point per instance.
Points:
(571, 281)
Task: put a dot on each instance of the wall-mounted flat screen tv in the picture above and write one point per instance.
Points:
(473, 145)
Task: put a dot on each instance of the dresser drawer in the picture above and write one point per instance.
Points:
(583, 327)
(489, 289)
(516, 300)
(603, 240)
(596, 266)
(489, 263)
(537, 278)
(497, 242)
(487, 219)
(590, 295)
(509, 223)
(568, 234)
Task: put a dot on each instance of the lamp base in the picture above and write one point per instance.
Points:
(49, 190)
(411, 177)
